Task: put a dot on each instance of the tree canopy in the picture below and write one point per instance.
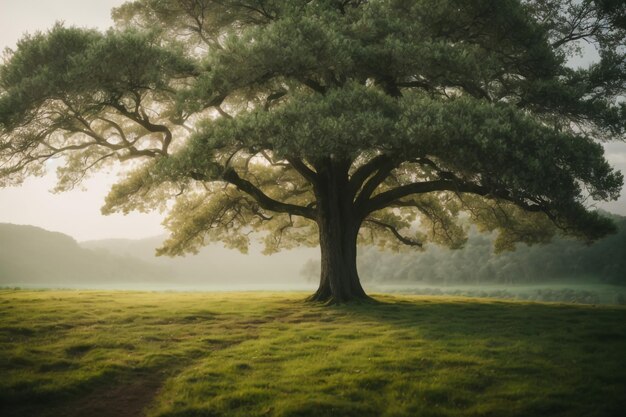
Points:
(323, 122)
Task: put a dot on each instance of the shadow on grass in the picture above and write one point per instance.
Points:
(397, 356)
(467, 318)
(491, 357)
(121, 392)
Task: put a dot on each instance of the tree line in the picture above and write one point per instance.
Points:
(477, 262)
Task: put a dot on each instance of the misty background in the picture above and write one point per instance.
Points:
(564, 270)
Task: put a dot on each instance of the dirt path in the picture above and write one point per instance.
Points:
(125, 396)
(120, 399)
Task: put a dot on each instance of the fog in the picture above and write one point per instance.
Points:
(77, 212)
(563, 271)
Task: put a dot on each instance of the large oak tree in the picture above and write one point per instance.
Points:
(329, 121)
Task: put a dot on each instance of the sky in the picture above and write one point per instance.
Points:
(77, 212)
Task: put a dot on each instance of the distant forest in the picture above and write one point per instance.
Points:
(476, 263)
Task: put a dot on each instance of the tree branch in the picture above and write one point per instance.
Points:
(144, 122)
(263, 199)
(364, 171)
(302, 168)
(403, 239)
(415, 84)
(386, 198)
(384, 169)
(314, 85)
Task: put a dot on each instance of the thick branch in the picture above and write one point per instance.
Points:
(389, 85)
(302, 168)
(386, 198)
(370, 185)
(273, 97)
(314, 85)
(364, 171)
(263, 199)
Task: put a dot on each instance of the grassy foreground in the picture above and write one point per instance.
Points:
(70, 353)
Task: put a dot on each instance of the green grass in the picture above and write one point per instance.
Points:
(88, 353)
(567, 292)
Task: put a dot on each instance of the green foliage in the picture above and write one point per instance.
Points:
(76, 93)
(198, 354)
(425, 112)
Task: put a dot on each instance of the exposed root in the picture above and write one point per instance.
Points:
(329, 299)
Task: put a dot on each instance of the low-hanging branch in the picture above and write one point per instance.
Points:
(263, 199)
(403, 239)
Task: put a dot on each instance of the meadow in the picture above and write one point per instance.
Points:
(116, 353)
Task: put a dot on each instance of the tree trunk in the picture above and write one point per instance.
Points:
(338, 229)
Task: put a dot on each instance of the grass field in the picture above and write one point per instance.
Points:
(88, 353)
(565, 292)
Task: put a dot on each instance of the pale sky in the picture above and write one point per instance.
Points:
(77, 213)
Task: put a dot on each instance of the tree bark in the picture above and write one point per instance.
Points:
(338, 227)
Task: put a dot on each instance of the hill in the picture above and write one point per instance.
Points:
(34, 256)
